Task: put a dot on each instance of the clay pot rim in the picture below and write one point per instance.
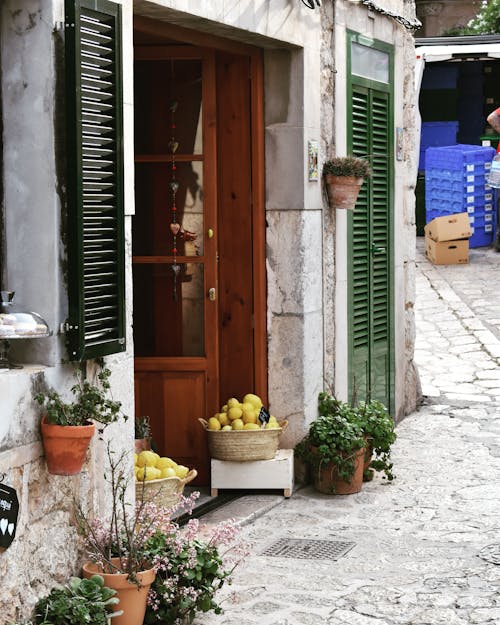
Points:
(120, 580)
(67, 430)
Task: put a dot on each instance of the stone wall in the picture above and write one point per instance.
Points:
(440, 16)
(46, 550)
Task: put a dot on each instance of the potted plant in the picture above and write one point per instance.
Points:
(378, 429)
(80, 602)
(116, 545)
(190, 569)
(142, 434)
(344, 176)
(68, 427)
(334, 447)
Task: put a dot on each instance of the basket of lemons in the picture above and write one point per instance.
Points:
(236, 433)
(160, 479)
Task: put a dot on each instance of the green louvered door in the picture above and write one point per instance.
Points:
(369, 269)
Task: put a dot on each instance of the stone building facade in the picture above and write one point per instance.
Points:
(440, 17)
(305, 82)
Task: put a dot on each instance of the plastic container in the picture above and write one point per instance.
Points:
(462, 157)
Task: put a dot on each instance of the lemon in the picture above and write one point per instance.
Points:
(135, 459)
(226, 428)
(181, 471)
(255, 400)
(168, 472)
(235, 413)
(164, 463)
(271, 426)
(224, 408)
(223, 418)
(213, 424)
(140, 473)
(232, 402)
(237, 424)
(152, 473)
(249, 415)
(251, 426)
(147, 459)
(272, 419)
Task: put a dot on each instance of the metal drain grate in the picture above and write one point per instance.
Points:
(306, 549)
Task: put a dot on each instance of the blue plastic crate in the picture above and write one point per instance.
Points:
(480, 209)
(449, 176)
(464, 157)
(435, 134)
(482, 236)
(481, 220)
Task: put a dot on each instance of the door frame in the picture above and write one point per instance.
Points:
(184, 35)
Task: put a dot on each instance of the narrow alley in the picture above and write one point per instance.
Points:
(427, 546)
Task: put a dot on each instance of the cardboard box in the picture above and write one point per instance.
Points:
(449, 227)
(447, 252)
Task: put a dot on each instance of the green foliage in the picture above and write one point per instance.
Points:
(142, 427)
(341, 429)
(90, 404)
(80, 602)
(378, 429)
(486, 22)
(188, 574)
(347, 166)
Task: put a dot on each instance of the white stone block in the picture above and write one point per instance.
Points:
(275, 474)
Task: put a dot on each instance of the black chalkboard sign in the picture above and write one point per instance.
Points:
(9, 510)
(264, 415)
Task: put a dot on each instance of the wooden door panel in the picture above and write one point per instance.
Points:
(174, 400)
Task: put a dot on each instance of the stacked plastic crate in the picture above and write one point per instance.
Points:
(455, 183)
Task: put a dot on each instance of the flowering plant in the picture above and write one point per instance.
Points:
(119, 543)
(189, 570)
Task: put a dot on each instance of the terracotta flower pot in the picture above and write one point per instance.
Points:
(132, 597)
(142, 444)
(343, 191)
(65, 446)
(368, 456)
(327, 480)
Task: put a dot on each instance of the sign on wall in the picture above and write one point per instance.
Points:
(311, 4)
(9, 510)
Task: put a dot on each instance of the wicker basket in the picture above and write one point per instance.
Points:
(243, 445)
(164, 492)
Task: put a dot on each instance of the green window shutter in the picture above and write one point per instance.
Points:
(95, 246)
(370, 249)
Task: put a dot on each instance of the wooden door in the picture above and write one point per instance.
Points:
(195, 331)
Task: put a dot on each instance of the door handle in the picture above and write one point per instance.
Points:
(212, 294)
(377, 250)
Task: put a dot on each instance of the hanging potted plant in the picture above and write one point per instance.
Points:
(117, 545)
(68, 427)
(344, 176)
(335, 448)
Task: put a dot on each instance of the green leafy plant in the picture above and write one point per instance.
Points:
(91, 403)
(80, 602)
(142, 427)
(333, 437)
(378, 429)
(347, 166)
(189, 571)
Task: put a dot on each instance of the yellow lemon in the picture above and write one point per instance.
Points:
(213, 424)
(140, 473)
(147, 459)
(235, 413)
(181, 471)
(272, 419)
(164, 463)
(226, 428)
(224, 408)
(223, 418)
(255, 400)
(251, 426)
(249, 415)
(271, 426)
(168, 472)
(152, 473)
(237, 424)
(232, 402)
(135, 459)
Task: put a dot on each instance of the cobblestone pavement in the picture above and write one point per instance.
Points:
(418, 540)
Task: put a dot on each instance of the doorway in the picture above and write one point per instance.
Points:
(198, 234)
